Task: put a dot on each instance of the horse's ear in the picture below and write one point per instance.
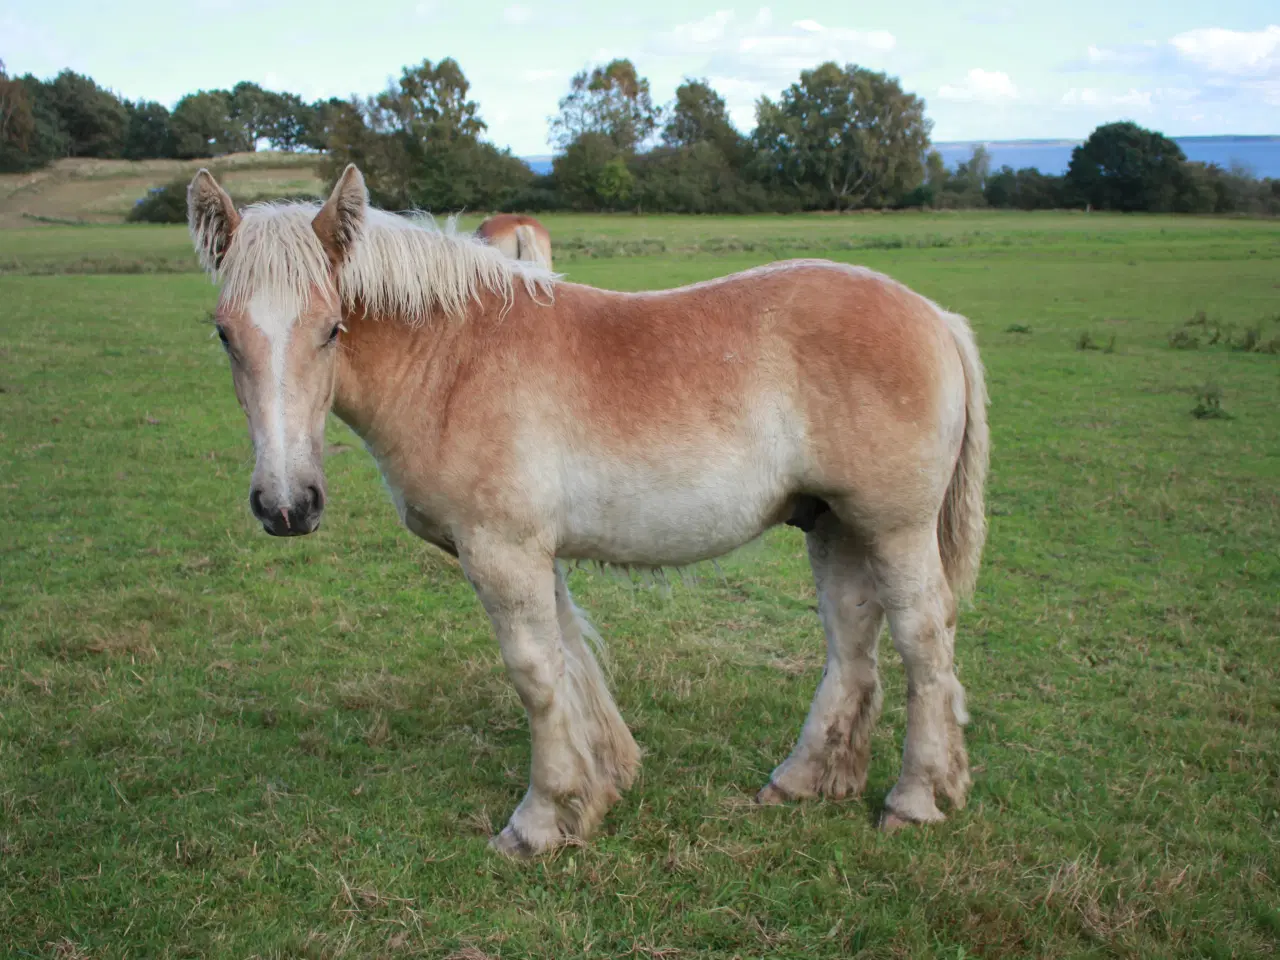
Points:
(211, 218)
(339, 220)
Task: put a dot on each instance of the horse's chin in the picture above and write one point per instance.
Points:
(279, 530)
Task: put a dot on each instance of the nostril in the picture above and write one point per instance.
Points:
(255, 503)
(316, 497)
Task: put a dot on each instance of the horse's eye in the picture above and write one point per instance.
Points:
(333, 334)
(222, 335)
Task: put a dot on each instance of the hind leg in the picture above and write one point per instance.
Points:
(922, 619)
(834, 748)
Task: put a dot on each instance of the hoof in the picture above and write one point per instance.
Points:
(511, 844)
(772, 795)
(892, 823)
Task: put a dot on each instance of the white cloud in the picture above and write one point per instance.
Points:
(757, 46)
(1092, 97)
(517, 14)
(709, 30)
(1132, 55)
(981, 86)
(747, 57)
(1235, 53)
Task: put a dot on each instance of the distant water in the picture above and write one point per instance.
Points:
(1259, 154)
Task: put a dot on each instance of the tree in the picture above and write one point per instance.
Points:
(322, 117)
(203, 125)
(849, 135)
(699, 115)
(965, 188)
(255, 110)
(429, 103)
(693, 179)
(95, 119)
(149, 134)
(1123, 166)
(47, 139)
(1025, 189)
(418, 144)
(592, 174)
(611, 101)
(17, 124)
(289, 126)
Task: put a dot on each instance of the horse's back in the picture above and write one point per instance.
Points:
(844, 331)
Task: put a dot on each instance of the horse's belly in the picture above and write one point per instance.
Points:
(662, 517)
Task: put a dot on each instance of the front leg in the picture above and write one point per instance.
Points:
(583, 754)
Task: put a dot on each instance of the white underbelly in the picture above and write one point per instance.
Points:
(673, 513)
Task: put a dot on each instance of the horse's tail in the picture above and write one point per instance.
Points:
(528, 247)
(962, 524)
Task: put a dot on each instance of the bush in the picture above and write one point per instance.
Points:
(167, 204)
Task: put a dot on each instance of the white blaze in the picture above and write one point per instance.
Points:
(276, 324)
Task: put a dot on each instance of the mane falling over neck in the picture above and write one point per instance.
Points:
(395, 267)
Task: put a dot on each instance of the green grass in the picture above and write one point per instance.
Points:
(216, 743)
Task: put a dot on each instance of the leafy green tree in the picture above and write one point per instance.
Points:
(290, 124)
(612, 101)
(204, 127)
(1123, 166)
(590, 174)
(429, 103)
(380, 156)
(418, 145)
(699, 115)
(95, 119)
(17, 124)
(694, 179)
(48, 139)
(965, 188)
(848, 136)
(323, 117)
(254, 109)
(1025, 189)
(149, 133)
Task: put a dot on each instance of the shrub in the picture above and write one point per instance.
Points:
(167, 204)
(1209, 404)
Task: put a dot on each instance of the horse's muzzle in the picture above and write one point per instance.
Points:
(295, 519)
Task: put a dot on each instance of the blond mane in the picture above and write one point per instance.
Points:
(397, 267)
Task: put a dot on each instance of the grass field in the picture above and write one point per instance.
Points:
(213, 743)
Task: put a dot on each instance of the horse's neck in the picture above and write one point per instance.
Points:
(383, 368)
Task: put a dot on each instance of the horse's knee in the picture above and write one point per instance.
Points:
(534, 667)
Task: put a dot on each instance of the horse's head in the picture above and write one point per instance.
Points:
(279, 316)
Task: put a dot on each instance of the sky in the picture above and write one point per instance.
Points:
(1012, 71)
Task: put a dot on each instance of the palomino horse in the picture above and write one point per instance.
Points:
(518, 419)
(518, 236)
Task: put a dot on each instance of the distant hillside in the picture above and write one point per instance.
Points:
(540, 164)
(1261, 155)
(103, 191)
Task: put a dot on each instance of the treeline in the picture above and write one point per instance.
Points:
(1120, 167)
(71, 116)
(840, 138)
